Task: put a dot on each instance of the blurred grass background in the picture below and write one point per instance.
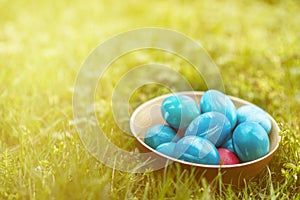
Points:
(256, 45)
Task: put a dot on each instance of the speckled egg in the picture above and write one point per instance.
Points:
(196, 150)
(167, 148)
(213, 100)
(252, 113)
(179, 111)
(159, 134)
(250, 141)
(213, 126)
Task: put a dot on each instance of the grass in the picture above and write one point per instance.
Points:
(256, 45)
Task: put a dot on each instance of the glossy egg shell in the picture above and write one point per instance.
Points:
(250, 141)
(167, 148)
(227, 157)
(179, 110)
(229, 145)
(252, 113)
(159, 134)
(213, 126)
(196, 150)
(213, 100)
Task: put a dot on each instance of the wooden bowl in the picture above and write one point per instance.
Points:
(149, 114)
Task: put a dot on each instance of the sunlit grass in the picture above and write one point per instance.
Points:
(256, 45)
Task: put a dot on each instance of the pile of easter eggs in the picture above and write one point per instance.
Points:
(214, 133)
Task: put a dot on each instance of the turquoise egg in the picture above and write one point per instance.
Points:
(179, 111)
(213, 100)
(250, 141)
(229, 145)
(252, 113)
(213, 126)
(196, 150)
(167, 148)
(159, 134)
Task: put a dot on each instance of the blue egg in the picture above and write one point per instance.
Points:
(213, 100)
(179, 110)
(196, 150)
(229, 145)
(158, 134)
(250, 141)
(167, 148)
(252, 113)
(213, 126)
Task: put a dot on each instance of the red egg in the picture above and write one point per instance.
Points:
(227, 157)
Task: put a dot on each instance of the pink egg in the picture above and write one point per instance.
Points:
(227, 157)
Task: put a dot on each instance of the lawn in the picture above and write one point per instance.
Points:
(255, 44)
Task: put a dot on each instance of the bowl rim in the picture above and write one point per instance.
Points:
(197, 93)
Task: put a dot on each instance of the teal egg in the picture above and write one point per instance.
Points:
(167, 148)
(159, 134)
(250, 141)
(179, 111)
(213, 100)
(196, 150)
(213, 126)
(252, 113)
(229, 145)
